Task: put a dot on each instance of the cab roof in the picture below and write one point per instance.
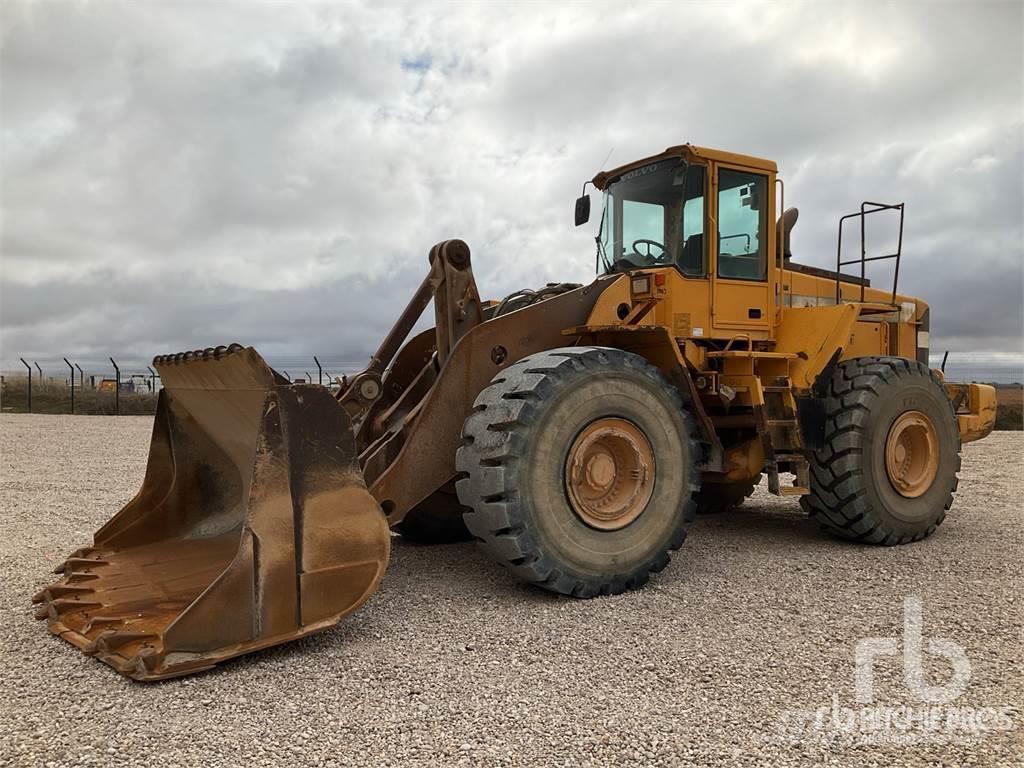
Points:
(690, 152)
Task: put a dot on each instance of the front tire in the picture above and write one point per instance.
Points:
(580, 466)
(888, 470)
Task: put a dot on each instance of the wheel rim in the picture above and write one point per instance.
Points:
(609, 474)
(912, 454)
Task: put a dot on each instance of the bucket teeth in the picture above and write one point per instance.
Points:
(112, 640)
(60, 590)
(210, 353)
(79, 562)
(253, 526)
(53, 609)
(76, 577)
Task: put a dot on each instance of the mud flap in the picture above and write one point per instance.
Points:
(253, 527)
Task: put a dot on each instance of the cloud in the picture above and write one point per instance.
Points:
(179, 175)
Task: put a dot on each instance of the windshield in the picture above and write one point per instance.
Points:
(654, 216)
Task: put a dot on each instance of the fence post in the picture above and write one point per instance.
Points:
(319, 369)
(117, 388)
(81, 377)
(152, 380)
(42, 382)
(287, 376)
(309, 379)
(72, 369)
(29, 383)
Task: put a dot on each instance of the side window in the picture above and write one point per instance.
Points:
(742, 225)
(691, 256)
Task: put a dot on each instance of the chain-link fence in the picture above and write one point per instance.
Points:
(60, 385)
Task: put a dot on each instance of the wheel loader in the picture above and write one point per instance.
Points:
(572, 430)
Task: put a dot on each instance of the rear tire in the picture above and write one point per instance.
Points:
(868, 484)
(531, 431)
(715, 498)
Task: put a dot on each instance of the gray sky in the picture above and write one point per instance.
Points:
(182, 174)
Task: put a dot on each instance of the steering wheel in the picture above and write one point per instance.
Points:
(649, 245)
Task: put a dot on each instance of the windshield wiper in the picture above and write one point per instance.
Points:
(601, 253)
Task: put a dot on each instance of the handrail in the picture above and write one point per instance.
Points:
(780, 257)
(738, 234)
(737, 337)
(864, 258)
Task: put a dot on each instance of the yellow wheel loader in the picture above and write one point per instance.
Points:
(573, 430)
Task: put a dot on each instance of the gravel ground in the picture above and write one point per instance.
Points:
(452, 662)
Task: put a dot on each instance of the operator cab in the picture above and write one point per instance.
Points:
(655, 215)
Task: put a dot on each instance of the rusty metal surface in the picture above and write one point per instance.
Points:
(912, 454)
(457, 308)
(432, 431)
(656, 344)
(404, 384)
(253, 526)
(609, 473)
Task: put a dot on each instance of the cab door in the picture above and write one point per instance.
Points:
(742, 276)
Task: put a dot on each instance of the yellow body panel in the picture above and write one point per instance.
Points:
(793, 310)
(814, 334)
(976, 416)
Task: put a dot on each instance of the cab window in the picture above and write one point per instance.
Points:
(654, 216)
(643, 223)
(742, 225)
(691, 257)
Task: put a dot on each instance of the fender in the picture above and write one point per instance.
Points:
(657, 346)
(432, 431)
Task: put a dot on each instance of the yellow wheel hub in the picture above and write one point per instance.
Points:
(912, 454)
(609, 474)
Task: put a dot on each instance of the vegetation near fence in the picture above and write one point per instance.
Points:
(1010, 409)
(50, 397)
(53, 397)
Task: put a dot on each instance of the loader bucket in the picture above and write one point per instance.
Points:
(253, 526)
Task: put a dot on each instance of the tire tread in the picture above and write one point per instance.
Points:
(838, 501)
(495, 437)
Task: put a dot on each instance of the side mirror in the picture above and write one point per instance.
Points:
(582, 210)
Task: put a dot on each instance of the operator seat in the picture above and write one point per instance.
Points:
(692, 261)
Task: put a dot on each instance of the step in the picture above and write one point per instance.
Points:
(790, 458)
(794, 491)
(733, 353)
